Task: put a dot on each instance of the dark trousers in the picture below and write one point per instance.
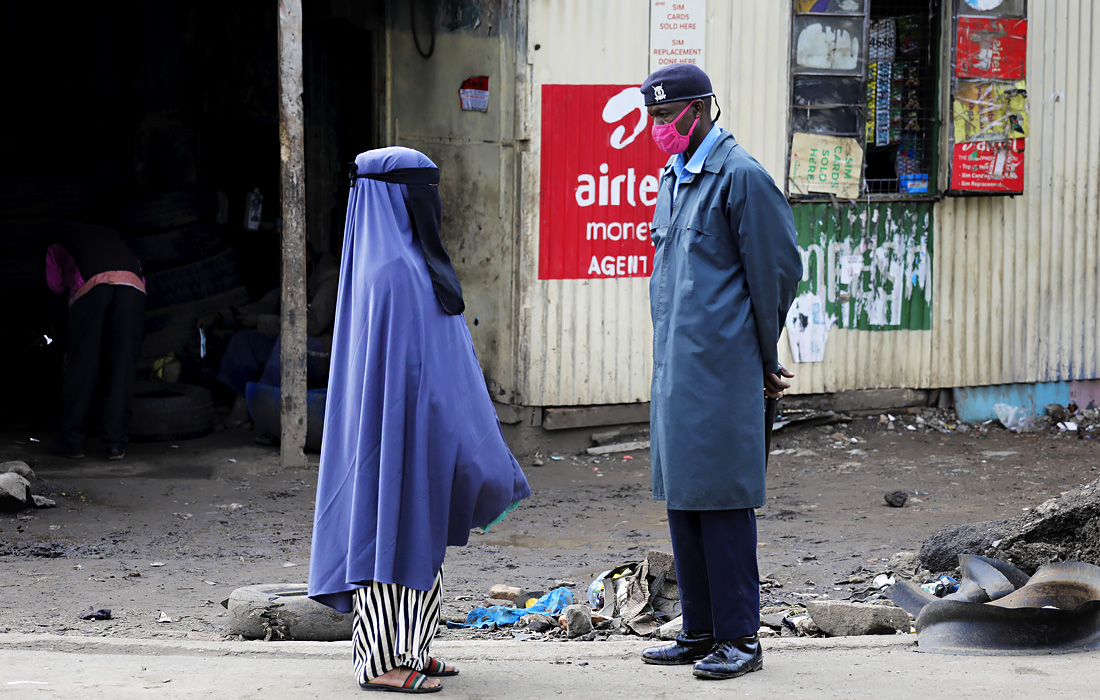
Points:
(716, 571)
(105, 330)
(252, 356)
(244, 359)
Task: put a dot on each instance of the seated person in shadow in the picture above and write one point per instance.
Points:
(254, 351)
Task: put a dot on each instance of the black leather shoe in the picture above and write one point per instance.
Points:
(731, 658)
(688, 648)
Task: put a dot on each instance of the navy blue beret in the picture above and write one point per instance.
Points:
(680, 81)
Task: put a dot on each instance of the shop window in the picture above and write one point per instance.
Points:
(866, 113)
(864, 95)
(989, 110)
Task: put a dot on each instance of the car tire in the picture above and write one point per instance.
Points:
(164, 411)
(198, 280)
(181, 246)
(284, 611)
(168, 211)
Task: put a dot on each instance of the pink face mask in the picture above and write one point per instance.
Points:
(670, 140)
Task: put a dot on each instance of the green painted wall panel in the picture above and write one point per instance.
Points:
(869, 264)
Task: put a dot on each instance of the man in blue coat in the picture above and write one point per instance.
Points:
(724, 275)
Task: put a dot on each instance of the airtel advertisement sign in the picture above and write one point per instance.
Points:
(600, 176)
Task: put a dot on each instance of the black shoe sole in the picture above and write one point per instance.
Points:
(718, 676)
(667, 662)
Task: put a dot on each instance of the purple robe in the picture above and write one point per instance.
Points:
(413, 456)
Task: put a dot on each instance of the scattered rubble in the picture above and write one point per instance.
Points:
(1066, 527)
(841, 618)
(537, 622)
(941, 551)
(806, 627)
(16, 487)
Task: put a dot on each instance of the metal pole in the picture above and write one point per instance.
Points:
(292, 172)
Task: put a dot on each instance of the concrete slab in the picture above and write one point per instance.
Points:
(41, 666)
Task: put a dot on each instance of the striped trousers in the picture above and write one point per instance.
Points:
(394, 626)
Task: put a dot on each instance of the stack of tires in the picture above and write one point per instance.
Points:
(189, 270)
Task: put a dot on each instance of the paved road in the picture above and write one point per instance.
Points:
(49, 666)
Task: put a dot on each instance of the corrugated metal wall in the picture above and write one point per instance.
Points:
(1016, 279)
(590, 341)
(1015, 282)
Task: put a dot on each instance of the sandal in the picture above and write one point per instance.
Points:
(413, 684)
(436, 668)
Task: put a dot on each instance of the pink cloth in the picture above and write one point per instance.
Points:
(62, 275)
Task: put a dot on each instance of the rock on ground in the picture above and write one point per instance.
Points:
(896, 499)
(503, 592)
(670, 629)
(1058, 412)
(20, 468)
(15, 491)
(578, 620)
(841, 618)
(806, 627)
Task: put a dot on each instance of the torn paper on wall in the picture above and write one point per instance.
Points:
(988, 166)
(988, 111)
(991, 47)
(473, 96)
(825, 164)
(808, 327)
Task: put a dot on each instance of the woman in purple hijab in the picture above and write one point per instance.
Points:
(413, 456)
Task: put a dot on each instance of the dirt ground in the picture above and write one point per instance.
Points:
(162, 537)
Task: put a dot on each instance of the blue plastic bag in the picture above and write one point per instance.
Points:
(550, 604)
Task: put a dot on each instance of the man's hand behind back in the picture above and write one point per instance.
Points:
(774, 384)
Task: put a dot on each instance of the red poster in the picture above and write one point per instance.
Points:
(600, 174)
(991, 47)
(988, 166)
